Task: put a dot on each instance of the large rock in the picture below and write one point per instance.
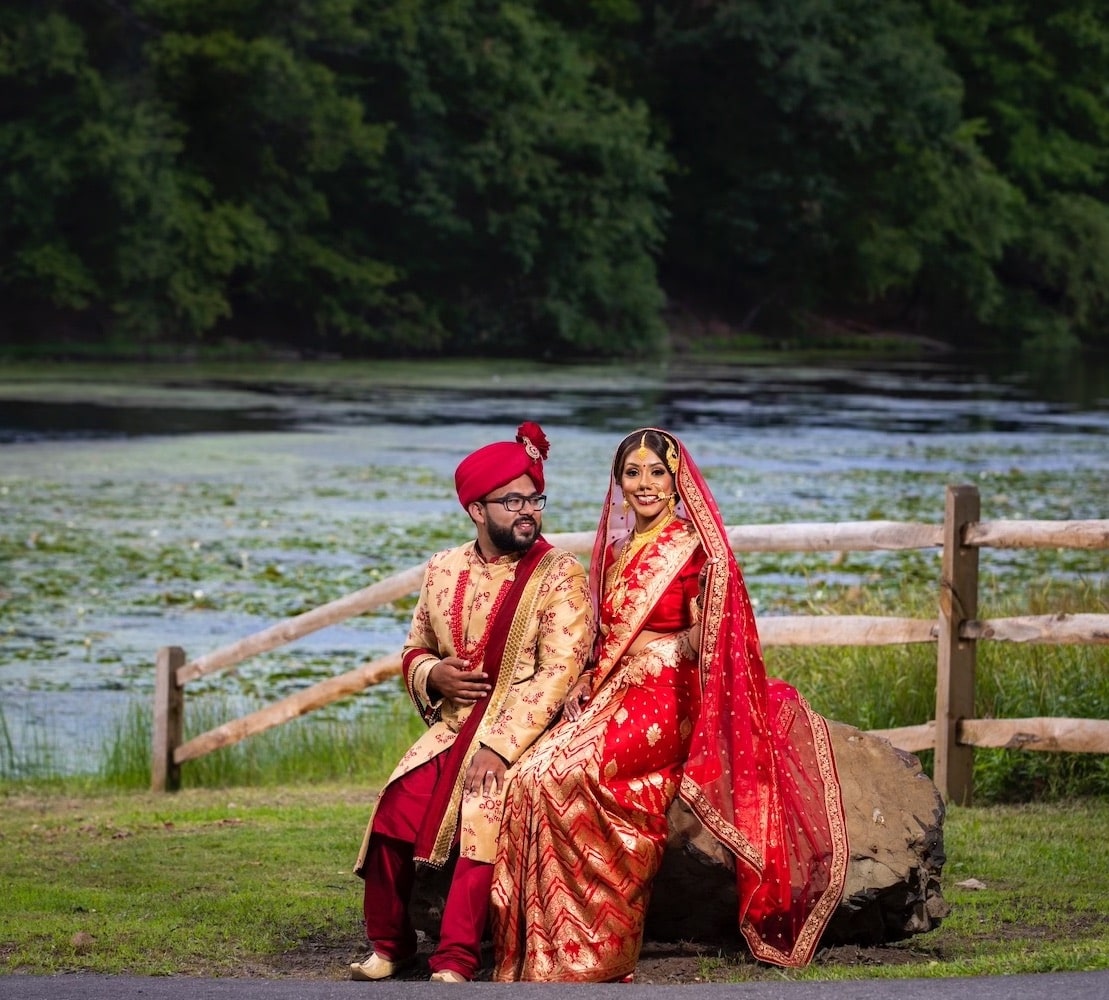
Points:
(895, 835)
(895, 820)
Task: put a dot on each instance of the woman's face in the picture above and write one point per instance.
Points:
(646, 482)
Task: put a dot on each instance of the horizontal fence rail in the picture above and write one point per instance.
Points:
(953, 734)
(1055, 734)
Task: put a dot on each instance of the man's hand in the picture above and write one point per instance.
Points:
(578, 696)
(485, 773)
(454, 679)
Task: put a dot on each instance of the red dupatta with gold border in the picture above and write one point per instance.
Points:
(760, 774)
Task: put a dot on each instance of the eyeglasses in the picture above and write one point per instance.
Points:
(514, 503)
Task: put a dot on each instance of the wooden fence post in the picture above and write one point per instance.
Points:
(169, 720)
(955, 657)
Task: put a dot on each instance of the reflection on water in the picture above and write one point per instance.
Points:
(916, 397)
(30, 420)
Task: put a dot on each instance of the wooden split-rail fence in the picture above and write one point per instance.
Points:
(952, 734)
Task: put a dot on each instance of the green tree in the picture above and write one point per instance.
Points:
(386, 176)
(121, 209)
(74, 153)
(1034, 76)
(519, 195)
(817, 145)
(269, 135)
(936, 164)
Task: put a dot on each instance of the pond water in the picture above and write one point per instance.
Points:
(193, 506)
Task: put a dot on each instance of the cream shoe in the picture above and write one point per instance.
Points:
(375, 967)
(448, 976)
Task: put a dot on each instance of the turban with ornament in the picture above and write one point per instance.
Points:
(496, 464)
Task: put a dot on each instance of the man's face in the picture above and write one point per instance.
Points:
(511, 531)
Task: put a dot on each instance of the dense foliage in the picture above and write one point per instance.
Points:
(537, 177)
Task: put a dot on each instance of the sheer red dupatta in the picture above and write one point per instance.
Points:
(760, 774)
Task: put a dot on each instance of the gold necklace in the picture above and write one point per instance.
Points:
(639, 540)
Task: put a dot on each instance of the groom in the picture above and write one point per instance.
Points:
(502, 629)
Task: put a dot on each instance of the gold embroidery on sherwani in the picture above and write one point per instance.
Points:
(521, 623)
(562, 632)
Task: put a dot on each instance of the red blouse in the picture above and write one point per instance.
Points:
(671, 613)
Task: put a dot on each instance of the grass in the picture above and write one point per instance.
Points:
(362, 749)
(1043, 872)
(246, 872)
(200, 883)
(890, 686)
(257, 882)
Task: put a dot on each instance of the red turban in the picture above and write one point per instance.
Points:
(501, 462)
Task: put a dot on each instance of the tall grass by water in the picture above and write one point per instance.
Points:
(887, 687)
(868, 687)
(361, 751)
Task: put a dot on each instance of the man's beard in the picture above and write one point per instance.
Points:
(506, 539)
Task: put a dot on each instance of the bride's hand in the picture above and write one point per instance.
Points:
(578, 696)
(702, 581)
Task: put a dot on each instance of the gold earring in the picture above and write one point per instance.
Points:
(627, 505)
(672, 502)
(671, 457)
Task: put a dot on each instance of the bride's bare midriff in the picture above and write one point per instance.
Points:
(642, 639)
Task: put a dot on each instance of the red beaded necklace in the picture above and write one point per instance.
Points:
(476, 652)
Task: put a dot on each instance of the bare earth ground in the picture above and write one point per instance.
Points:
(659, 963)
(669, 963)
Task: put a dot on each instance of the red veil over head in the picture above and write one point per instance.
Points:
(760, 774)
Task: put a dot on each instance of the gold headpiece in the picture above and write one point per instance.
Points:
(671, 456)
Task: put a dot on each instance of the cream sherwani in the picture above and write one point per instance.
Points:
(550, 643)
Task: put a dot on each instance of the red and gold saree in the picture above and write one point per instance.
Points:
(585, 825)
